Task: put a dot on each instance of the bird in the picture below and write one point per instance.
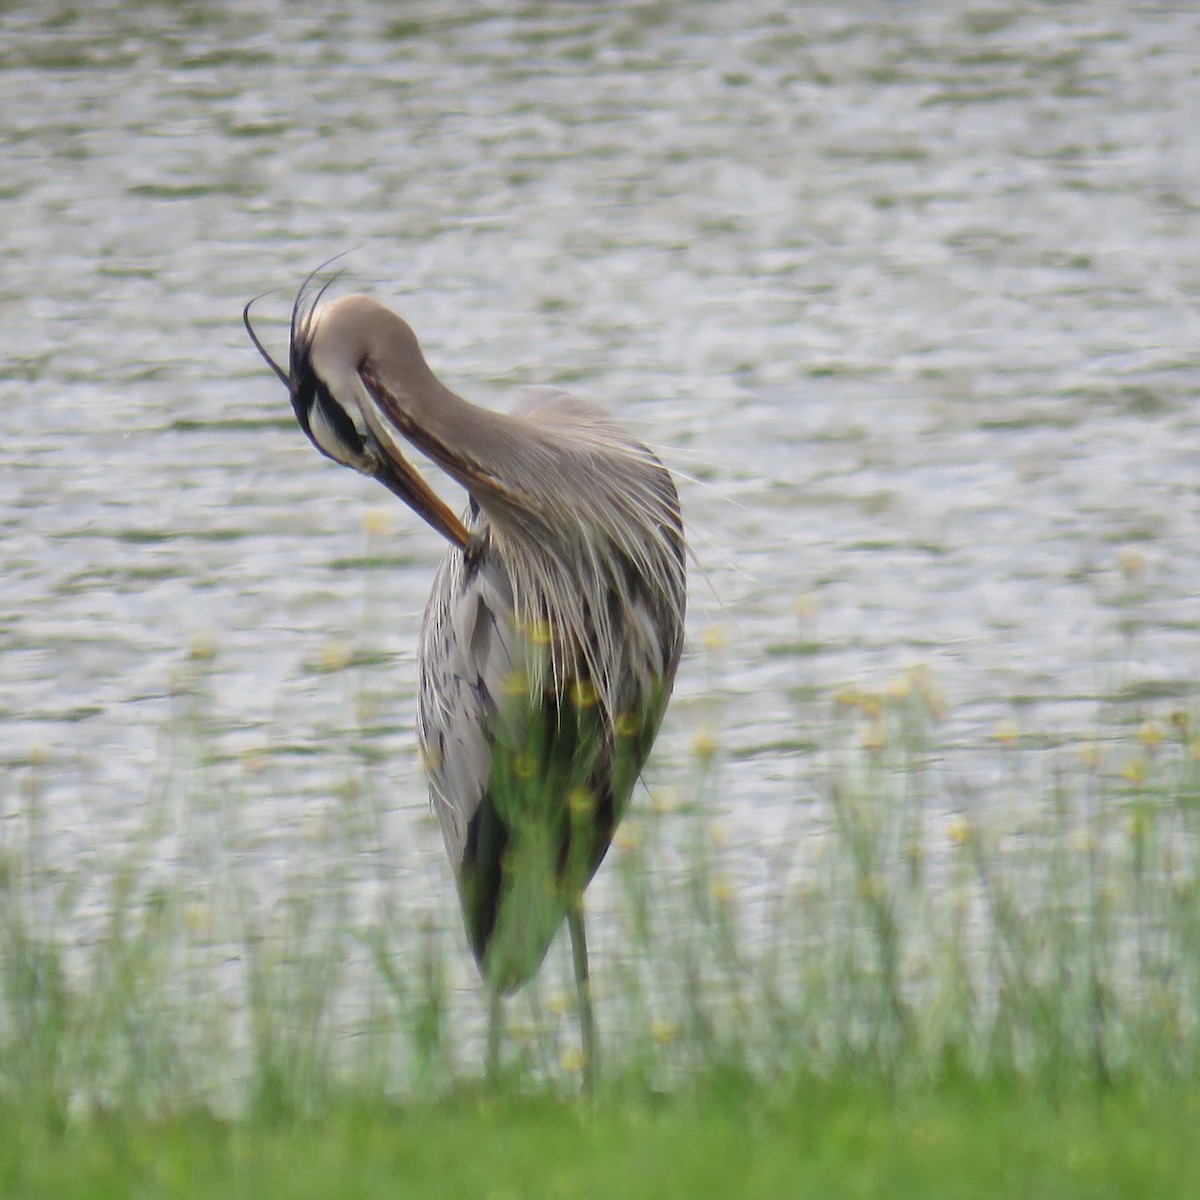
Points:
(553, 630)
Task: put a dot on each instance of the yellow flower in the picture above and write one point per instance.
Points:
(1007, 731)
(335, 656)
(806, 607)
(665, 800)
(1132, 563)
(714, 638)
(721, 890)
(573, 1061)
(705, 745)
(628, 725)
(581, 801)
(870, 887)
(539, 632)
(559, 1003)
(921, 682)
(1082, 841)
(516, 683)
(203, 647)
(958, 830)
(198, 917)
(1134, 770)
(628, 835)
(377, 521)
(718, 835)
(664, 1032)
(1151, 734)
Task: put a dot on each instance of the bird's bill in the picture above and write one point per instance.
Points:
(401, 478)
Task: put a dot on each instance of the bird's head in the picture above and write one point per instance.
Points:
(329, 368)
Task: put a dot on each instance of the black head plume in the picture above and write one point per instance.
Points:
(302, 311)
(299, 379)
(258, 345)
(338, 426)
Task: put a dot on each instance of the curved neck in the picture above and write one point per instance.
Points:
(466, 441)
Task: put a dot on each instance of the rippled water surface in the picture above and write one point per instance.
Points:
(908, 293)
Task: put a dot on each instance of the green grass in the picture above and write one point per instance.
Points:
(719, 1139)
(916, 983)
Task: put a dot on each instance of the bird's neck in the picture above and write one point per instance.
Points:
(470, 443)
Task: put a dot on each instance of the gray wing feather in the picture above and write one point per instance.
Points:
(468, 653)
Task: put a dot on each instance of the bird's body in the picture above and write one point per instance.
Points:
(547, 655)
(554, 626)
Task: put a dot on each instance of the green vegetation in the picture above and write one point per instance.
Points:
(715, 1139)
(921, 984)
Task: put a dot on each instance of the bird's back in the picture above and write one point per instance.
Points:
(547, 657)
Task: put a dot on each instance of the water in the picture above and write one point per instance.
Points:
(909, 295)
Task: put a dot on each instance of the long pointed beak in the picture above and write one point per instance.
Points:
(401, 478)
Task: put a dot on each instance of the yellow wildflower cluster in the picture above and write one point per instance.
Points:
(665, 1032)
(377, 521)
(1135, 769)
(1132, 563)
(721, 889)
(628, 835)
(705, 745)
(1007, 732)
(203, 647)
(573, 1061)
(958, 830)
(335, 656)
(913, 684)
(806, 607)
(905, 695)
(627, 725)
(539, 632)
(1152, 734)
(581, 801)
(558, 1004)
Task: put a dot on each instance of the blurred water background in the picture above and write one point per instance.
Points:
(907, 294)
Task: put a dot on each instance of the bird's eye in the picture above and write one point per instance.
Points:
(331, 428)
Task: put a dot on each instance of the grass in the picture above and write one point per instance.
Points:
(919, 984)
(718, 1138)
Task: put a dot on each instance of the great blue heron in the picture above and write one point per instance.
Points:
(552, 633)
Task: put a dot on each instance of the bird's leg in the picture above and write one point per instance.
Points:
(587, 1020)
(494, 1033)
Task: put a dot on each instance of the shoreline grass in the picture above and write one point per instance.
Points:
(906, 933)
(906, 980)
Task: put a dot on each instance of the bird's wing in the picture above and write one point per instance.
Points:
(469, 651)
